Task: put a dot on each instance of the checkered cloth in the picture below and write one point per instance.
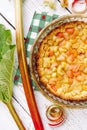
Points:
(39, 21)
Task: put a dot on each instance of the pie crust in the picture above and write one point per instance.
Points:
(62, 61)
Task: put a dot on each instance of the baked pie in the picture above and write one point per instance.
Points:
(62, 61)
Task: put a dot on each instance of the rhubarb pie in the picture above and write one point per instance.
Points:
(62, 61)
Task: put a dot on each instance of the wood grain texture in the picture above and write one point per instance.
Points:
(76, 119)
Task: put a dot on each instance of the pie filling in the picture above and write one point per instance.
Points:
(62, 61)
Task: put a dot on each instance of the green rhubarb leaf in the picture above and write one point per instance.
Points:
(6, 64)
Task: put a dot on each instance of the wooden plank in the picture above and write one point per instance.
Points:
(6, 120)
(29, 7)
(73, 116)
(25, 118)
(76, 118)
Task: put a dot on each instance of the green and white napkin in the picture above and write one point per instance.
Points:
(39, 21)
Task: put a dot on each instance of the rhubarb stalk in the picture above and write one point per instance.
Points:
(6, 71)
(24, 68)
(15, 116)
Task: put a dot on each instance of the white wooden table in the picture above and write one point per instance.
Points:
(76, 118)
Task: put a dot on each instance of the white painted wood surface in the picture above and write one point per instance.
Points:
(76, 119)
